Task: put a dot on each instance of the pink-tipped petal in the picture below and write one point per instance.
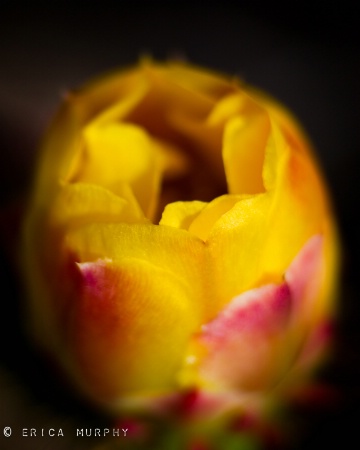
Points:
(241, 342)
(316, 345)
(251, 344)
(304, 276)
(120, 307)
(310, 335)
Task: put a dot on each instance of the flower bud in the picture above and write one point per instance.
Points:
(179, 238)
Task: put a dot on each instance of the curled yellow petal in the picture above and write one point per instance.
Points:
(181, 214)
(115, 154)
(245, 140)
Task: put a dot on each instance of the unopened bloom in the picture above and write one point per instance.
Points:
(178, 237)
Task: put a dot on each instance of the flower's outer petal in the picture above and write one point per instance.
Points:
(316, 346)
(235, 246)
(165, 247)
(240, 348)
(305, 277)
(245, 242)
(129, 328)
(255, 339)
(88, 242)
(309, 324)
(312, 311)
(294, 200)
(74, 206)
(60, 153)
(299, 208)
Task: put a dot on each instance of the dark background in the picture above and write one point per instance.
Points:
(306, 55)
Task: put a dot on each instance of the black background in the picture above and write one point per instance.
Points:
(306, 55)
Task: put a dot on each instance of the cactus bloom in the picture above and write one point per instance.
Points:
(178, 237)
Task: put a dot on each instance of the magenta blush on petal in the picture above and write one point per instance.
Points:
(251, 343)
(316, 345)
(96, 318)
(97, 281)
(241, 344)
(262, 310)
(94, 273)
(305, 275)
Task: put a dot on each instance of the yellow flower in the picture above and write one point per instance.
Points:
(179, 236)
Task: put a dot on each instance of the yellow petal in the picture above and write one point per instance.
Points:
(129, 328)
(299, 208)
(118, 153)
(81, 203)
(253, 342)
(205, 135)
(235, 245)
(244, 146)
(204, 222)
(181, 214)
(63, 141)
(256, 240)
(145, 242)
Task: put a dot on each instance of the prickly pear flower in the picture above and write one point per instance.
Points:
(179, 239)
